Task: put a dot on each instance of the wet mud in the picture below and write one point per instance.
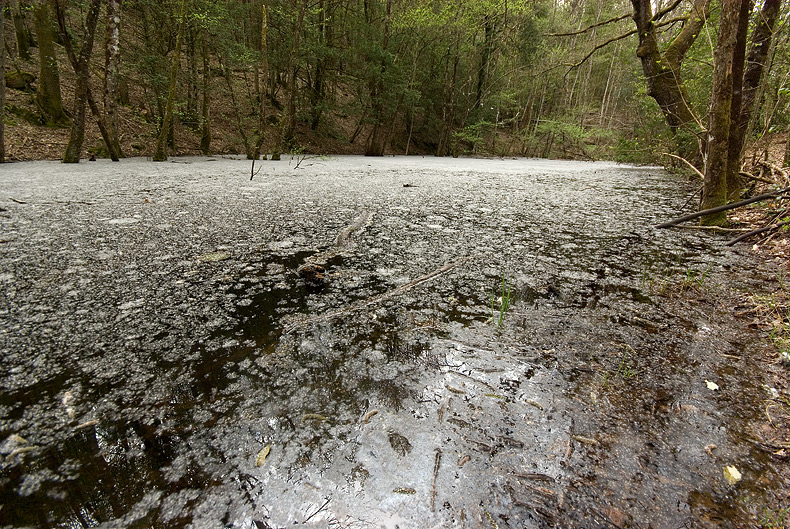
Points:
(490, 343)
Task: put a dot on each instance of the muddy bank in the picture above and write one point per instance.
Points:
(164, 365)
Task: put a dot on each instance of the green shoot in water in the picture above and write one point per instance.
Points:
(504, 303)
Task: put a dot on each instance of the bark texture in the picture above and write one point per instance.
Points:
(48, 93)
(752, 77)
(2, 85)
(112, 63)
(714, 190)
(662, 69)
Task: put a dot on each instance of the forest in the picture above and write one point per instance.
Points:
(638, 82)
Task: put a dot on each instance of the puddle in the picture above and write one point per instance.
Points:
(389, 393)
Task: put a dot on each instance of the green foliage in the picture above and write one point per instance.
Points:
(472, 137)
(480, 77)
(775, 518)
(504, 303)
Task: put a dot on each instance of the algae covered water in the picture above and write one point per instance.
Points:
(482, 343)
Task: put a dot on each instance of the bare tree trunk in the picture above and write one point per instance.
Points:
(752, 77)
(48, 93)
(732, 176)
(318, 89)
(205, 117)
(263, 71)
(786, 161)
(160, 154)
(248, 148)
(714, 190)
(112, 61)
(488, 48)
(21, 31)
(75, 63)
(377, 141)
(82, 70)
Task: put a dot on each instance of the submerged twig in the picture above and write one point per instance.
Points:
(375, 299)
(436, 464)
(319, 510)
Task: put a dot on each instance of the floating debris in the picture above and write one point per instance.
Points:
(711, 385)
(732, 475)
(585, 440)
(68, 398)
(15, 445)
(400, 444)
(404, 490)
(534, 476)
(214, 256)
(313, 274)
(534, 403)
(262, 455)
(369, 415)
(313, 417)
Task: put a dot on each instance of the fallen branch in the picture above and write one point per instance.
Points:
(686, 162)
(375, 299)
(691, 197)
(750, 176)
(711, 211)
(758, 231)
(598, 47)
(436, 464)
(714, 228)
(776, 169)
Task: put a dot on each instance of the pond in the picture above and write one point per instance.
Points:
(476, 343)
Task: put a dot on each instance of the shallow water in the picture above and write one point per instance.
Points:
(156, 338)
